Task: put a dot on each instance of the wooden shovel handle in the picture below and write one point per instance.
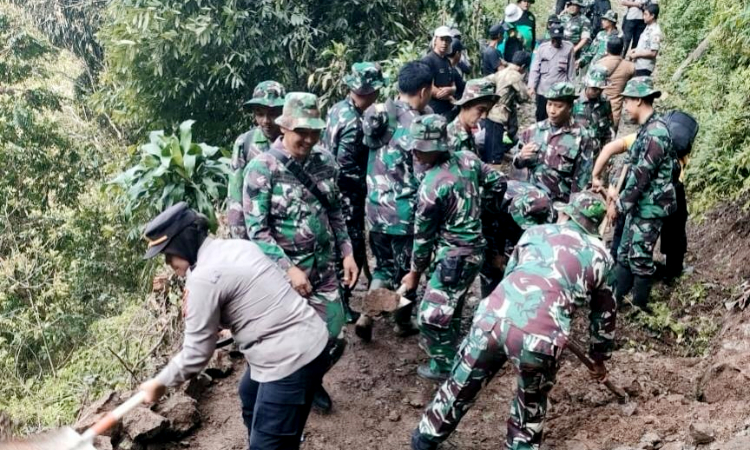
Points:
(114, 416)
(578, 351)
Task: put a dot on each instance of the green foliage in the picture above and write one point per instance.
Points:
(715, 90)
(174, 169)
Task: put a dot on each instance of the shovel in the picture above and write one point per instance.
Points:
(377, 302)
(68, 439)
(622, 396)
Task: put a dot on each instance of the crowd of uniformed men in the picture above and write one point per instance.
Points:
(418, 180)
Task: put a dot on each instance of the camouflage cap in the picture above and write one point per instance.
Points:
(479, 88)
(640, 87)
(553, 18)
(378, 125)
(585, 208)
(532, 207)
(611, 16)
(301, 111)
(561, 91)
(577, 3)
(596, 77)
(267, 93)
(366, 78)
(428, 133)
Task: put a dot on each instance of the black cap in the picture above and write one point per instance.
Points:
(556, 32)
(553, 18)
(160, 231)
(496, 30)
(456, 46)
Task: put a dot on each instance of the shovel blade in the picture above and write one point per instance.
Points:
(381, 300)
(62, 439)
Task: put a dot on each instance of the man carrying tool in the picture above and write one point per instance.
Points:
(554, 270)
(392, 186)
(233, 284)
(447, 223)
(648, 195)
(592, 109)
(343, 137)
(479, 97)
(557, 151)
(265, 106)
(293, 212)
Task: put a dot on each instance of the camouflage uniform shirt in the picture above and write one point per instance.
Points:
(286, 220)
(459, 139)
(553, 270)
(564, 160)
(648, 191)
(596, 115)
(575, 27)
(449, 210)
(391, 180)
(343, 138)
(597, 49)
(246, 147)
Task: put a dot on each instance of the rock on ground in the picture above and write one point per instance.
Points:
(143, 425)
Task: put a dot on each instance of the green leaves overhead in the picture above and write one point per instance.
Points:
(172, 169)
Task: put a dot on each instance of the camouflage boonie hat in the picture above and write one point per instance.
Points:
(561, 91)
(596, 77)
(476, 89)
(300, 111)
(267, 93)
(640, 87)
(587, 209)
(530, 208)
(366, 78)
(611, 16)
(428, 134)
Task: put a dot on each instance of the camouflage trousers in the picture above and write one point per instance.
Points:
(355, 227)
(392, 257)
(483, 353)
(636, 250)
(439, 315)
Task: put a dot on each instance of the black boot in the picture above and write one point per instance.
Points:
(420, 443)
(322, 401)
(623, 283)
(673, 267)
(642, 292)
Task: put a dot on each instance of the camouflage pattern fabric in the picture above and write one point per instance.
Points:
(648, 191)
(596, 116)
(391, 181)
(640, 87)
(554, 270)
(597, 49)
(257, 143)
(478, 88)
(301, 111)
(343, 138)
(365, 78)
(459, 139)
(448, 224)
(564, 160)
(636, 250)
(267, 93)
(291, 226)
(528, 205)
(575, 27)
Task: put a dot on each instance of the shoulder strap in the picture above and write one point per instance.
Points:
(296, 170)
(246, 143)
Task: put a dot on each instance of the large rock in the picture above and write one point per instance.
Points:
(98, 409)
(220, 365)
(701, 433)
(197, 385)
(182, 412)
(143, 425)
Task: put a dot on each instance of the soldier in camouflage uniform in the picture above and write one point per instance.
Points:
(593, 109)
(298, 225)
(576, 26)
(447, 223)
(392, 184)
(648, 195)
(477, 100)
(554, 270)
(266, 104)
(557, 152)
(527, 205)
(343, 137)
(598, 47)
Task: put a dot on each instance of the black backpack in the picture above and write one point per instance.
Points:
(683, 128)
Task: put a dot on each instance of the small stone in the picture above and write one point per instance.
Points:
(674, 446)
(649, 419)
(650, 441)
(394, 416)
(629, 409)
(701, 433)
(675, 398)
(143, 425)
(197, 385)
(416, 403)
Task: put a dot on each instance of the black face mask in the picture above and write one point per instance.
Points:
(187, 243)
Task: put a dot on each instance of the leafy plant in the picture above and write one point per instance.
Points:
(174, 168)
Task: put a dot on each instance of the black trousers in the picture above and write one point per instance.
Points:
(631, 33)
(494, 148)
(275, 413)
(674, 234)
(560, 5)
(541, 108)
